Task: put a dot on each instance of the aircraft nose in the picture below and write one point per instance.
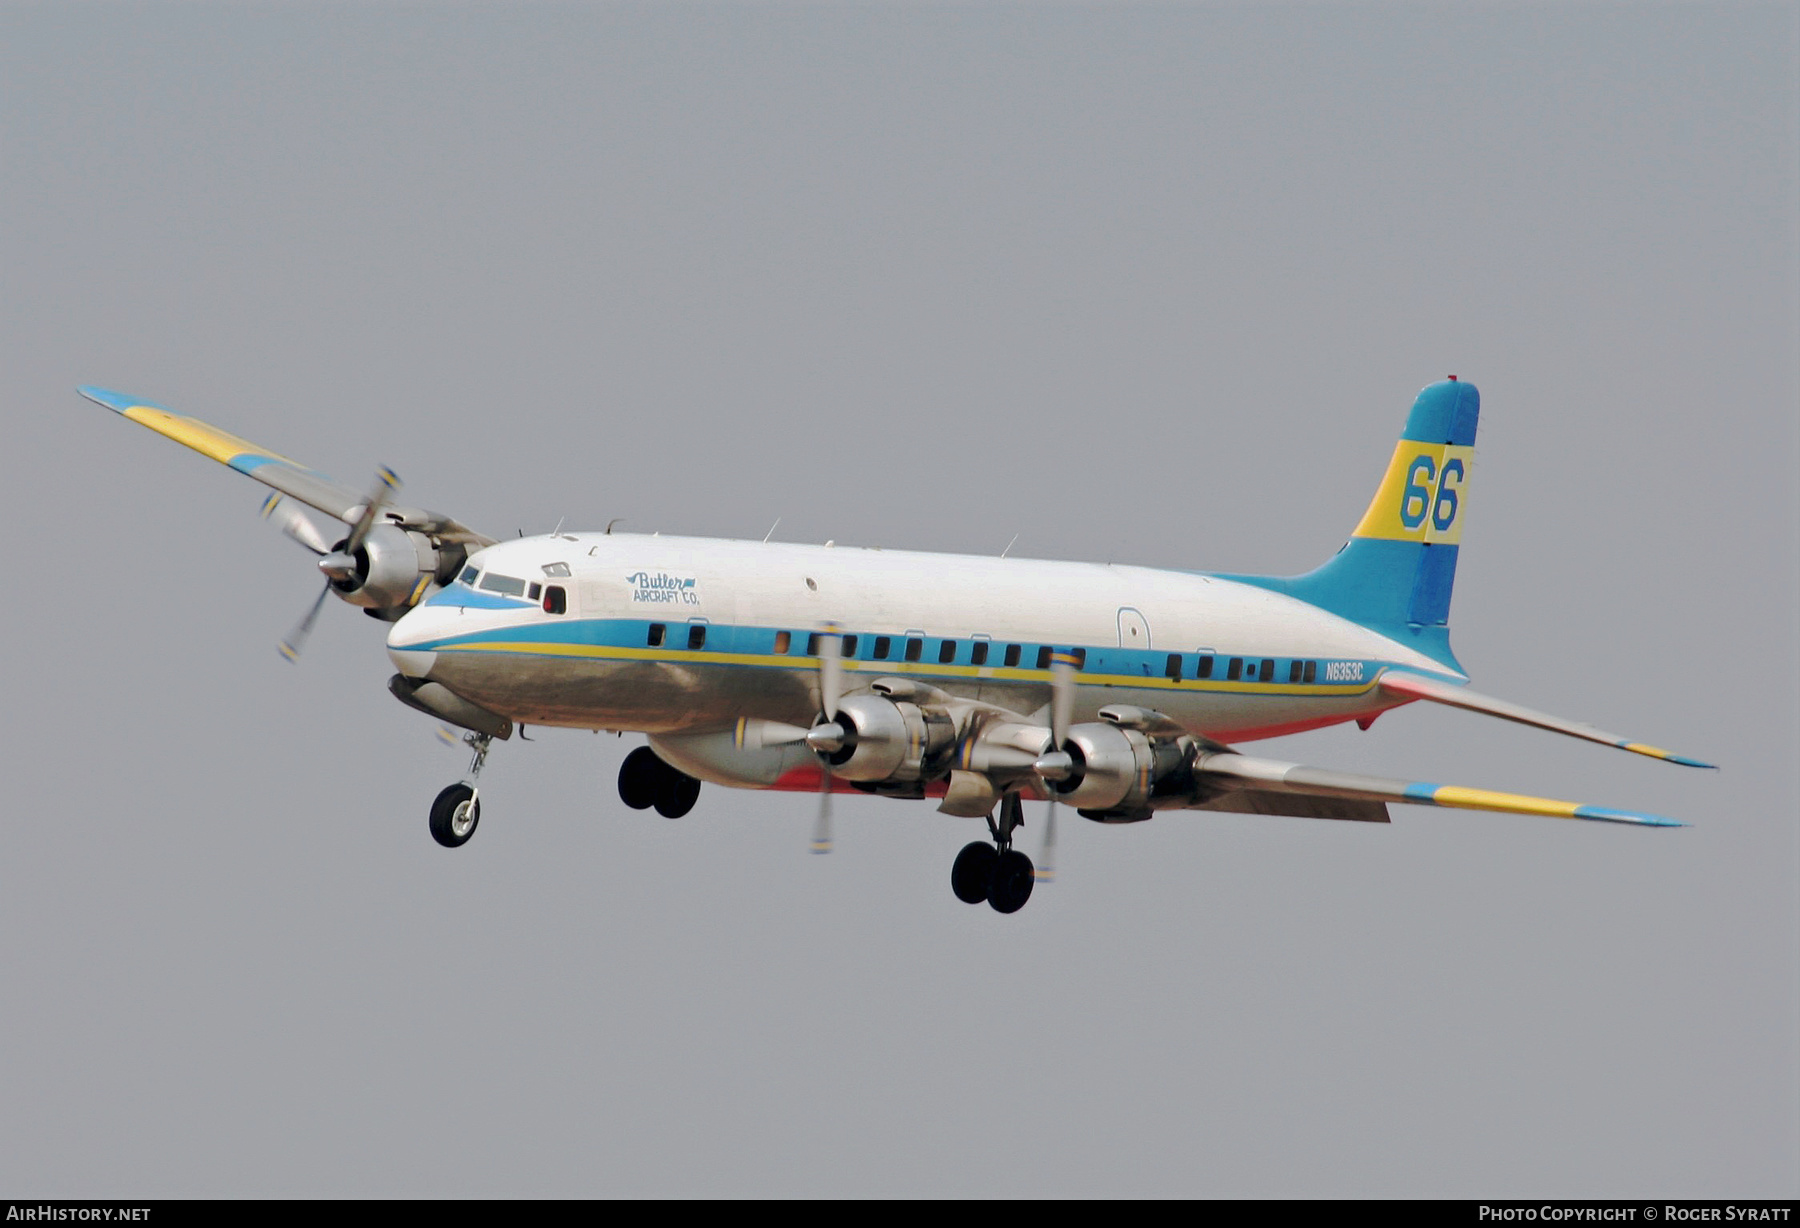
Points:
(419, 626)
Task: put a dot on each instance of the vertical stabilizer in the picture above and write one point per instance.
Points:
(1396, 572)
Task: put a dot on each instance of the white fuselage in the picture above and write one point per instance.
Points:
(684, 636)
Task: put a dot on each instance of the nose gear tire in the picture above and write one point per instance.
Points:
(454, 816)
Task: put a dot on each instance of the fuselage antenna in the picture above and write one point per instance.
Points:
(609, 524)
(1010, 545)
(772, 528)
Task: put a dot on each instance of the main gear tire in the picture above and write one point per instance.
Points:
(639, 776)
(972, 873)
(1013, 879)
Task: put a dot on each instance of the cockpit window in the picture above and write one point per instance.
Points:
(508, 585)
(468, 575)
(556, 569)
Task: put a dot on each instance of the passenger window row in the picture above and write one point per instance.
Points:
(912, 648)
(883, 647)
(1237, 668)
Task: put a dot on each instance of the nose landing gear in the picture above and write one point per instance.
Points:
(997, 872)
(457, 810)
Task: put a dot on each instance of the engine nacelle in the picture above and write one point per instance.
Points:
(1117, 769)
(889, 740)
(392, 564)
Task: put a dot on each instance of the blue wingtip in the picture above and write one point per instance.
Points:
(118, 402)
(1605, 814)
(1684, 761)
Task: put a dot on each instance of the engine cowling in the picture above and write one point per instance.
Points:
(1116, 769)
(888, 740)
(392, 565)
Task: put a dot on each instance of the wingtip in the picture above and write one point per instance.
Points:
(1605, 814)
(103, 396)
(118, 402)
(1667, 756)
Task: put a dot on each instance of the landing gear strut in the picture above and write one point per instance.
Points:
(997, 872)
(646, 781)
(457, 809)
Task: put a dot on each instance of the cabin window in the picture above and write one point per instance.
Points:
(1013, 652)
(812, 644)
(1204, 669)
(1173, 667)
(946, 652)
(509, 586)
(1268, 670)
(783, 641)
(1080, 655)
(882, 645)
(1044, 657)
(556, 600)
(557, 570)
(1295, 669)
(655, 638)
(535, 591)
(915, 648)
(1235, 670)
(849, 648)
(468, 575)
(978, 652)
(696, 635)
(1312, 671)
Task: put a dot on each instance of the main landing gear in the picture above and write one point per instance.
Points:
(458, 808)
(997, 872)
(646, 781)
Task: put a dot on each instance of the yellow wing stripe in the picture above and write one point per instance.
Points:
(1509, 803)
(207, 440)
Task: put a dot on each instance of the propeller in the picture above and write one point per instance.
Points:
(1056, 763)
(339, 565)
(827, 737)
(295, 524)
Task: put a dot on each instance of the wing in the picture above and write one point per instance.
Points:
(1412, 686)
(272, 469)
(1233, 771)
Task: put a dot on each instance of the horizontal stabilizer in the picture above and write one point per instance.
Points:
(1412, 686)
(1244, 772)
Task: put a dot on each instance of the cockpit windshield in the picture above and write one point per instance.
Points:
(493, 582)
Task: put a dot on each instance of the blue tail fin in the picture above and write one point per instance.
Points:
(1395, 573)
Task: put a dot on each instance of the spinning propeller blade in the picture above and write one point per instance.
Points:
(381, 492)
(295, 524)
(1056, 759)
(296, 639)
(827, 736)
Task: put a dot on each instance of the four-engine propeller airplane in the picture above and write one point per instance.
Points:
(975, 681)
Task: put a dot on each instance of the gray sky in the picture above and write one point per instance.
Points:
(1152, 285)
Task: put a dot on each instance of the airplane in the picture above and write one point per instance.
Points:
(979, 682)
